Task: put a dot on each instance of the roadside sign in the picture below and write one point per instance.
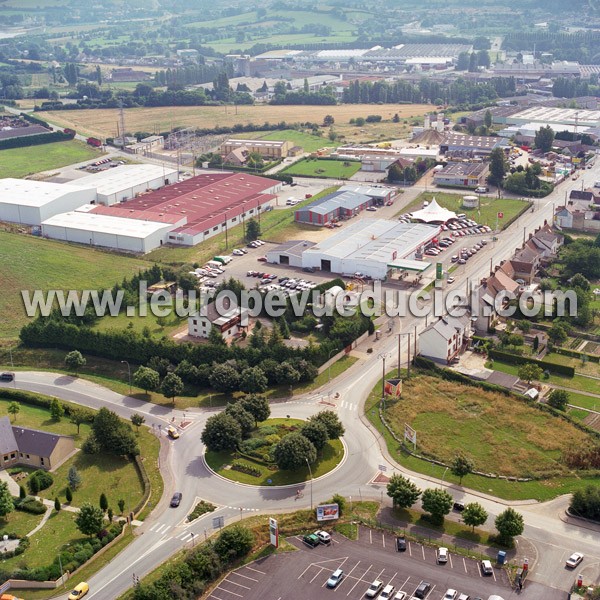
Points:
(501, 215)
(382, 468)
(274, 532)
(328, 512)
(218, 522)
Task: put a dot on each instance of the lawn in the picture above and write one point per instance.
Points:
(480, 424)
(18, 162)
(335, 169)
(337, 368)
(329, 458)
(31, 263)
(490, 207)
(308, 142)
(19, 523)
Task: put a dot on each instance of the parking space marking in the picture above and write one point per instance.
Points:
(244, 576)
(256, 570)
(215, 597)
(383, 539)
(465, 564)
(450, 559)
(238, 584)
(358, 580)
(423, 550)
(409, 549)
(232, 593)
(321, 569)
(348, 576)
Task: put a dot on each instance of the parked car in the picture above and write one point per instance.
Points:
(176, 499)
(463, 597)
(371, 208)
(387, 592)
(423, 589)
(574, 559)
(79, 591)
(335, 578)
(374, 589)
(237, 252)
(486, 567)
(323, 536)
(310, 539)
(401, 544)
(172, 432)
(262, 259)
(309, 269)
(400, 596)
(482, 189)
(450, 594)
(442, 555)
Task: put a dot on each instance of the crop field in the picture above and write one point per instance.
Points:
(102, 122)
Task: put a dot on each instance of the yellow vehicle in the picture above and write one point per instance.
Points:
(79, 591)
(172, 432)
(9, 597)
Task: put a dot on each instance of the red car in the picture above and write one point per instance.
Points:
(262, 259)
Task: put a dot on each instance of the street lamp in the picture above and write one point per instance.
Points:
(383, 357)
(311, 483)
(329, 367)
(443, 476)
(128, 372)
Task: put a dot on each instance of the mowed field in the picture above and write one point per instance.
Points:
(102, 122)
(31, 263)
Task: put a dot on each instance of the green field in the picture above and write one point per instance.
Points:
(19, 162)
(490, 207)
(31, 263)
(334, 169)
(308, 142)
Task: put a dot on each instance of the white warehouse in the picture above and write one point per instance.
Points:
(129, 235)
(31, 202)
(127, 181)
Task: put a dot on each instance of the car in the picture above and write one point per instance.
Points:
(401, 544)
(374, 589)
(335, 578)
(250, 273)
(481, 189)
(389, 203)
(451, 280)
(79, 591)
(283, 278)
(520, 281)
(323, 536)
(7, 376)
(463, 597)
(176, 499)
(450, 594)
(309, 269)
(486, 567)
(172, 432)
(260, 242)
(454, 258)
(462, 261)
(387, 592)
(237, 252)
(400, 595)
(574, 559)
(458, 506)
(262, 259)
(371, 208)
(442, 555)
(310, 539)
(423, 589)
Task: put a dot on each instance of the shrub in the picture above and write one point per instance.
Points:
(201, 508)
(242, 467)
(44, 480)
(30, 505)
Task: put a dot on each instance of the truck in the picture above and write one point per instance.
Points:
(92, 141)
(224, 260)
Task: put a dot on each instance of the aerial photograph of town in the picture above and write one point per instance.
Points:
(299, 300)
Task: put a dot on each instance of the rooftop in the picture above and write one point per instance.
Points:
(471, 141)
(462, 169)
(29, 441)
(255, 143)
(293, 247)
(339, 199)
(27, 192)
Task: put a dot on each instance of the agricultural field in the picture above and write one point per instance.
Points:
(31, 263)
(314, 167)
(308, 142)
(19, 162)
(102, 122)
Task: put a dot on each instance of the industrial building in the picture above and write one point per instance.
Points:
(556, 117)
(375, 247)
(269, 149)
(289, 253)
(31, 202)
(127, 181)
(468, 146)
(462, 174)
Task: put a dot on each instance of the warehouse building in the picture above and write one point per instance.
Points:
(269, 149)
(127, 181)
(462, 174)
(468, 146)
(375, 247)
(289, 253)
(556, 117)
(31, 202)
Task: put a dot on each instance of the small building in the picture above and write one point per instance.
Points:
(230, 323)
(470, 146)
(237, 157)
(128, 75)
(32, 448)
(445, 339)
(462, 174)
(289, 253)
(268, 149)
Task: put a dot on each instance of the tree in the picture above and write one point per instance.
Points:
(34, 486)
(258, 407)
(474, 515)
(74, 360)
(121, 505)
(233, 543)
(22, 492)
(103, 503)
(487, 119)
(171, 386)
(292, 452)
(90, 519)
(146, 378)
(579, 281)
(13, 409)
(483, 59)
(403, 492)
(530, 371)
(437, 503)
(284, 328)
(110, 514)
(524, 325)
(161, 365)
(462, 63)
(215, 337)
(73, 477)
(544, 138)
(461, 466)
(242, 416)
(558, 399)
(334, 426)
(221, 433)
(137, 420)
(79, 415)
(252, 230)
(586, 502)
(328, 121)
(224, 378)
(316, 432)
(498, 166)
(509, 524)
(253, 381)
(111, 436)
(6, 501)
(99, 75)
(557, 334)
(57, 506)
(69, 495)
(56, 409)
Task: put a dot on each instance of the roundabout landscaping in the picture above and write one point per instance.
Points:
(253, 463)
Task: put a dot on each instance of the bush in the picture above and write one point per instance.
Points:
(30, 505)
(519, 360)
(201, 508)
(44, 480)
(242, 467)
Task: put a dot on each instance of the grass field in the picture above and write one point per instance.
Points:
(103, 121)
(313, 167)
(19, 162)
(31, 263)
(308, 142)
(490, 207)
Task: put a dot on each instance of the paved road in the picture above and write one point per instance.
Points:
(549, 539)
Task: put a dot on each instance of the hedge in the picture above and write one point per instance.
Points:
(512, 359)
(35, 140)
(575, 354)
(35, 120)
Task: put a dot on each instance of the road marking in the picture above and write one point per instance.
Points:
(383, 539)
(402, 586)
(347, 577)
(423, 550)
(232, 593)
(238, 584)
(215, 597)
(450, 558)
(465, 563)
(160, 529)
(318, 573)
(167, 527)
(153, 526)
(359, 580)
(409, 549)
(301, 574)
(370, 537)
(252, 569)
(244, 576)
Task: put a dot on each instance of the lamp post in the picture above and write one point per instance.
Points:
(383, 357)
(128, 372)
(329, 367)
(311, 483)
(443, 476)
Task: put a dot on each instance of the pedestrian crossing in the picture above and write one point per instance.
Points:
(348, 405)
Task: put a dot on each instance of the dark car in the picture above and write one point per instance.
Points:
(311, 540)
(423, 589)
(7, 376)
(308, 269)
(176, 499)
(401, 544)
(458, 506)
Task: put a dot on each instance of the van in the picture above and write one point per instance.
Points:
(79, 591)
(224, 260)
(214, 264)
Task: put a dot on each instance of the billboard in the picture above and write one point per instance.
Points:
(328, 512)
(393, 387)
(410, 434)
(274, 532)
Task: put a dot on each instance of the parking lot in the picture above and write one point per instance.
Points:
(303, 574)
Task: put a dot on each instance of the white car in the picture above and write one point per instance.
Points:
(451, 279)
(374, 589)
(400, 596)
(387, 592)
(450, 594)
(324, 537)
(335, 578)
(237, 252)
(442, 555)
(574, 559)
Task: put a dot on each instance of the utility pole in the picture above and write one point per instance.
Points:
(399, 353)
(408, 365)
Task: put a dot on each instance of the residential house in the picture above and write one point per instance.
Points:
(237, 157)
(32, 448)
(445, 339)
(484, 312)
(229, 322)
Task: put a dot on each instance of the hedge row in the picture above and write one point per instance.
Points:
(508, 223)
(35, 120)
(575, 354)
(512, 359)
(35, 140)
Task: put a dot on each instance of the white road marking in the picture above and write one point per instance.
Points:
(252, 569)
(358, 581)
(318, 573)
(450, 558)
(238, 584)
(232, 593)
(244, 576)
(423, 550)
(465, 563)
(383, 539)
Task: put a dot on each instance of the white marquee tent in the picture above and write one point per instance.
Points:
(434, 213)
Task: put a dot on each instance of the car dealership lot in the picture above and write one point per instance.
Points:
(303, 574)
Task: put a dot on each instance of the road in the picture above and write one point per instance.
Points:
(549, 538)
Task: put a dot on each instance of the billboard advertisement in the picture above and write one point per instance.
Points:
(328, 512)
(393, 387)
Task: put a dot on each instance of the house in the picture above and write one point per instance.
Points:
(230, 322)
(268, 149)
(129, 75)
(237, 157)
(445, 339)
(526, 262)
(547, 241)
(32, 448)
(501, 281)
(484, 313)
